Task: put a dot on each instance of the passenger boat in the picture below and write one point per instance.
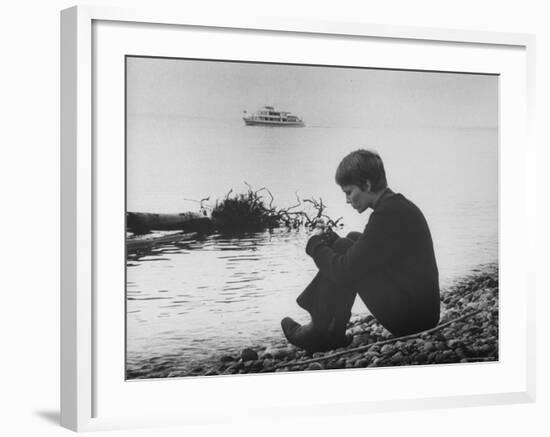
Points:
(268, 116)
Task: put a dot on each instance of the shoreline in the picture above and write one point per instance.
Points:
(474, 339)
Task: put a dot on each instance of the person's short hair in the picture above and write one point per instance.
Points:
(360, 166)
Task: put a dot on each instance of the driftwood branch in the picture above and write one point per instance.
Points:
(297, 205)
(250, 211)
(271, 199)
(320, 216)
(378, 343)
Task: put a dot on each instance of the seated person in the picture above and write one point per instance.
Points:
(391, 265)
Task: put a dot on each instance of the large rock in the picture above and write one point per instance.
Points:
(249, 355)
(397, 358)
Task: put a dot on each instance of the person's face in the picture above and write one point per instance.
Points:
(359, 198)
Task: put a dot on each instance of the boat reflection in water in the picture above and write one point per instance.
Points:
(268, 116)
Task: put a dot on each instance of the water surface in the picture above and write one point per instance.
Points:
(201, 297)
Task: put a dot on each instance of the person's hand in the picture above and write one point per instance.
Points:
(329, 236)
(320, 227)
(318, 231)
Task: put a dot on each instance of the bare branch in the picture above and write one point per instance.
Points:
(250, 209)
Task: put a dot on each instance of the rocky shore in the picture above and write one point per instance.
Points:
(467, 332)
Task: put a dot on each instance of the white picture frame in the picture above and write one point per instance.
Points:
(86, 370)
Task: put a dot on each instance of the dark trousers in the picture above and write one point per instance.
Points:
(329, 304)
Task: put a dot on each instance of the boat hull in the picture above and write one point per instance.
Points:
(250, 122)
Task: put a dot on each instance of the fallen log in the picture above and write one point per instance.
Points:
(144, 222)
(244, 212)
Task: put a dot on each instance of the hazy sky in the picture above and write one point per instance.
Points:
(322, 96)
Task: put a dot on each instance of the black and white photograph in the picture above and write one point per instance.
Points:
(299, 218)
(291, 217)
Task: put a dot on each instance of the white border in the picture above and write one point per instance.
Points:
(79, 177)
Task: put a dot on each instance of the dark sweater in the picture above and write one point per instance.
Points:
(392, 267)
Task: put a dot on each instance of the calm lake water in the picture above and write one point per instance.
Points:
(201, 298)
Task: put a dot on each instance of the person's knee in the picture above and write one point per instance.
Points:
(354, 235)
(342, 245)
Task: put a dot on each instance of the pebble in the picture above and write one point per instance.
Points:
(422, 356)
(460, 352)
(280, 353)
(397, 358)
(375, 349)
(360, 339)
(270, 352)
(428, 347)
(453, 343)
(369, 318)
(249, 354)
(235, 366)
(370, 355)
(291, 354)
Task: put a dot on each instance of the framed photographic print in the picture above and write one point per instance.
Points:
(257, 208)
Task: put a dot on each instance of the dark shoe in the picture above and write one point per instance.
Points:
(307, 337)
(289, 326)
(340, 341)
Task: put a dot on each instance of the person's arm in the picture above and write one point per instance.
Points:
(371, 251)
